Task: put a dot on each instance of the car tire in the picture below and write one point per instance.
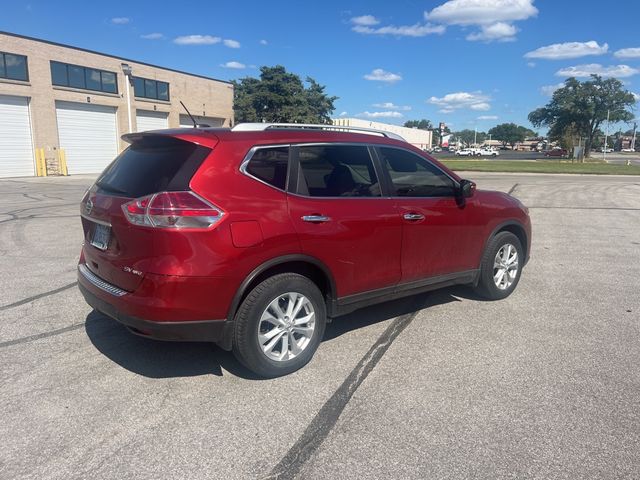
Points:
(274, 335)
(500, 267)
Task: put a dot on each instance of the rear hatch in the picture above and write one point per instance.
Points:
(115, 249)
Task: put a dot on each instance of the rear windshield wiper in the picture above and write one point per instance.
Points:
(109, 188)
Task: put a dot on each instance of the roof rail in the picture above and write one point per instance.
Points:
(258, 127)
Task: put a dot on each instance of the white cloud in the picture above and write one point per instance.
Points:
(391, 106)
(365, 20)
(461, 100)
(417, 30)
(343, 114)
(234, 65)
(264, 42)
(488, 117)
(620, 71)
(380, 75)
(480, 106)
(196, 40)
(548, 90)
(563, 51)
(231, 43)
(501, 31)
(152, 36)
(628, 53)
(494, 17)
(120, 20)
(380, 115)
(531, 64)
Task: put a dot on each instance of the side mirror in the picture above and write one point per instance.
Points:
(467, 188)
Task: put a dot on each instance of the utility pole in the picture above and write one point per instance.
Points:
(633, 141)
(606, 134)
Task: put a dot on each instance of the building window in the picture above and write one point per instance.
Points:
(13, 67)
(146, 88)
(66, 75)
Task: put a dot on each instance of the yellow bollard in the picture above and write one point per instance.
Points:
(62, 162)
(41, 163)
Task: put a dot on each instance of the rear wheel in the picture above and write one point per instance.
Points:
(279, 325)
(501, 266)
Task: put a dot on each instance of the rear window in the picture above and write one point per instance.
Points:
(270, 165)
(151, 165)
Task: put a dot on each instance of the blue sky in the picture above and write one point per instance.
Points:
(469, 63)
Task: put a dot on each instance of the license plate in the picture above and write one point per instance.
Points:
(101, 236)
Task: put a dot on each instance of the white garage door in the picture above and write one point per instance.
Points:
(185, 121)
(16, 147)
(150, 120)
(88, 134)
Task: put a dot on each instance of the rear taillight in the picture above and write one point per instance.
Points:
(172, 210)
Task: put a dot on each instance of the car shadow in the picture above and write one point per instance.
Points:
(158, 359)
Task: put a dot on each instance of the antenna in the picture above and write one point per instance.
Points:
(195, 124)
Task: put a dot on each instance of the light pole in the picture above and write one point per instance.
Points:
(606, 134)
(126, 69)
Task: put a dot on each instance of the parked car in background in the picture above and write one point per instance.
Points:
(487, 152)
(606, 150)
(255, 237)
(556, 152)
(465, 152)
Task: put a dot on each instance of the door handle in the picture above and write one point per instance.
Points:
(413, 217)
(315, 218)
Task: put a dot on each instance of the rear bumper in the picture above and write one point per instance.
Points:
(217, 331)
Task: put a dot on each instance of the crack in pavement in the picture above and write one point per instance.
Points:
(324, 421)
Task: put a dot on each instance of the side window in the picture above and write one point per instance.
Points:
(413, 176)
(337, 171)
(270, 165)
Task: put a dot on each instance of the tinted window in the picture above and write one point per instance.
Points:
(337, 171)
(163, 91)
(13, 66)
(109, 82)
(67, 75)
(59, 74)
(138, 87)
(92, 79)
(153, 89)
(152, 165)
(270, 165)
(413, 176)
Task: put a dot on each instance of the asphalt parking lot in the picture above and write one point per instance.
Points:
(544, 384)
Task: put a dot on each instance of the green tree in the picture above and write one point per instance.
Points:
(582, 107)
(420, 124)
(467, 136)
(510, 133)
(281, 97)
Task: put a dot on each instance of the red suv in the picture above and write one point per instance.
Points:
(254, 237)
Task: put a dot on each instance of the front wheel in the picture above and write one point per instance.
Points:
(279, 325)
(501, 266)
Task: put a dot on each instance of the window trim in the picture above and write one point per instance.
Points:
(247, 158)
(389, 181)
(84, 76)
(157, 97)
(26, 67)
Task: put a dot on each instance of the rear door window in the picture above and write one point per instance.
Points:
(270, 165)
(151, 165)
(337, 171)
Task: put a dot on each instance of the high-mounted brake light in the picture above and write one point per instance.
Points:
(176, 210)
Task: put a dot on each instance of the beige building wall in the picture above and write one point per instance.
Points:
(418, 138)
(202, 96)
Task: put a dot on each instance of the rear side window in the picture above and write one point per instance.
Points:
(270, 165)
(337, 171)
(151, 165)
(412, 176)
